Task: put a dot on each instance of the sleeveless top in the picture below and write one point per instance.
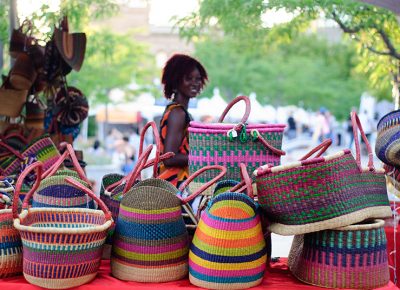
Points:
(175, 175)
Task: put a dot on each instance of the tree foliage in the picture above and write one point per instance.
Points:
(375, 30)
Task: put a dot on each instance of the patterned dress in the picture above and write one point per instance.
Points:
(175, 175)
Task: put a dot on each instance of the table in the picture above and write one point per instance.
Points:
(278, 277)
(390, 231)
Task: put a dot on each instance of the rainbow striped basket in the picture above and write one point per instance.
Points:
(323, 192)
(228, 250)
(151, 241)
(62, 247)
(54, 191)
(387, 146)
(231, 144)
(10, 240)
(42, 148)
(349, 257)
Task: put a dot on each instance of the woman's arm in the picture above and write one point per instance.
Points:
(173, 140)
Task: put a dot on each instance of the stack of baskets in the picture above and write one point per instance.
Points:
(332, 204)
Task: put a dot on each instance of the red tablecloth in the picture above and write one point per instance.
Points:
(278, 277)
(390, 231)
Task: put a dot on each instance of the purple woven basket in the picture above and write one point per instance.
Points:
(387, 146)
(231, 144)
(322, 192)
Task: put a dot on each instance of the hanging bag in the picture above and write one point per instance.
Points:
(353, 257)
(151, 241)
(228, 249)
(231, 144)
(62, 246)
(321, 193)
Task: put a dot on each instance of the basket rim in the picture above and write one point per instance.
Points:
(298, 164)
(374, 224)
(228, 126)
(385, 117)
(52, 230)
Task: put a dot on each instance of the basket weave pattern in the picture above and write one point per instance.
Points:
(228, 249)
(320, 191)
(387, 146)
(342, 258)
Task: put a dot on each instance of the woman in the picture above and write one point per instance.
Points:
(183, 78)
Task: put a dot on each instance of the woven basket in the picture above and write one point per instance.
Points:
(62, 246)
(393, 176)
(231, 144)
(151, 241)
(322, 192)
(349, 257)
(387, 146)
(55, 191)
(10, 241)
(114, 186)
(42, 148)
(228, 249)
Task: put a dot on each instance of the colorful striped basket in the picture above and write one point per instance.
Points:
(387, 146)
(151, 241)
(62, 247)
(10, 240)
(231, 144)
(55, 191)
(228, 249)
(114, 186)
(322, 192)
(42, 148)
(349, 257)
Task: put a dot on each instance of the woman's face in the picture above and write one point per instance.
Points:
(191, 84)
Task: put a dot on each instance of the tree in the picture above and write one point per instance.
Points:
(309, 72)
(111, 60)
(375, 30)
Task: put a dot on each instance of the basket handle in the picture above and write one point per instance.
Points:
(11, 150)
(69, 151)
(246, 113)
(38, 166)
(148, 164)
(133, 175)
(355, 121)
(6, 199)
(204, 186)
(17, 135)
(91, 194)
(246, 182)
(321, 148)
(157, 139)
(257, 136)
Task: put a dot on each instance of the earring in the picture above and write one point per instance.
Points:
(173, 95)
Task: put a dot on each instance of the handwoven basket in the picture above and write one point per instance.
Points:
(322, 192)
(62, 246)
(393, 175)
(10, 241)
(151, 242)
(55, 191)
(42, 148)
(228, 249)
(231, 144)
(349, 257)
(387, 146)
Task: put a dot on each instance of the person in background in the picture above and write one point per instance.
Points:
(292, 128)
(183, 78)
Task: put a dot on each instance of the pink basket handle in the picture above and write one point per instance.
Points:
(355, 121)
(204, 186)
(246, 182)
(91, 194)
(17, 135)
(157, 139)
(71, 153)
(321, 148)
(38, 166)
(276, 151)
(246, 113)
(138, 169)
(11, 150)
(148, 164)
